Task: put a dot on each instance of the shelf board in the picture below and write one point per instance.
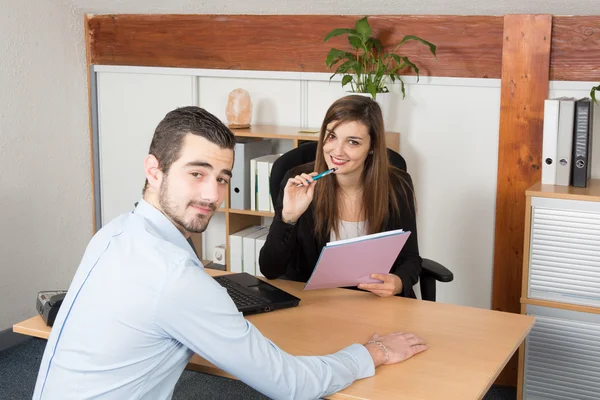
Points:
(292, 133)
(589, 193)
(563, 306)
(276, 132)
(250, 212)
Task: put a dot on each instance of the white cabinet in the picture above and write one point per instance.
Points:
(130, 106)
(561, 288)
(562, 355)
(564, 260)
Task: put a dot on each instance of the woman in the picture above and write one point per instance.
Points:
(365, 195)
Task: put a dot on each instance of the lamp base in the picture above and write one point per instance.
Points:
(239, 126)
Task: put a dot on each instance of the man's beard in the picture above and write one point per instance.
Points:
(197, 225)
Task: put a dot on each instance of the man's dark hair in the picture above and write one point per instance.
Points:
(168, 136)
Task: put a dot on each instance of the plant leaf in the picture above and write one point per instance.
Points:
(593, 93)
(402, 87)
(346, 79)
(338, 32)
(396, 58)
(375, 43)
(336, 55)
(358, 68)
(363, 28)
(356, 42)
(348, 66)
(379, 78)
(371, 88)
(411, 65)
(432, 47)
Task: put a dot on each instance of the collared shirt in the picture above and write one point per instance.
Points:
(141, 304)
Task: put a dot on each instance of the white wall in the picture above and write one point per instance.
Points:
(449, 131)
(45, 187)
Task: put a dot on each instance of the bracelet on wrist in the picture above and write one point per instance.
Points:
(378, 343)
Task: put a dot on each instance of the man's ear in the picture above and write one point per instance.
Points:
(153, 172)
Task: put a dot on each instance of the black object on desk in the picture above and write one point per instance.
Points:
(252, 295)
(48, 303)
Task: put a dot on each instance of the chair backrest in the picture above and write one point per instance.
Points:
(306, 153)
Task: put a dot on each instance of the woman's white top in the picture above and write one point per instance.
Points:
(349, 230)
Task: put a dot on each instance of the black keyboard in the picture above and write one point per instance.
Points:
(241, 299)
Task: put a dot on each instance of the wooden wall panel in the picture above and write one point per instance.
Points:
(575, 52)
(469, 46)
(525, 81)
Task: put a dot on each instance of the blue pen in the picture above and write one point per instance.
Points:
(322, 174)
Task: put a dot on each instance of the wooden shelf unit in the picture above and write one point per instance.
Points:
(236, 220)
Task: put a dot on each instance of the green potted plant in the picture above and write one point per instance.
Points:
(367, 68)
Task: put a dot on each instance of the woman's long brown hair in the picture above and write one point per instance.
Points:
(377, 173)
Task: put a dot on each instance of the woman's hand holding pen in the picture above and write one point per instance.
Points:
(297, 196)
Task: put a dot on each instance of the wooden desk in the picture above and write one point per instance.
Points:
(468, 347)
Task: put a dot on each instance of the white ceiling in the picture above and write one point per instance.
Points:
(341, 7)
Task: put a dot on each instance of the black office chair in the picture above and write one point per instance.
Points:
(305, 153)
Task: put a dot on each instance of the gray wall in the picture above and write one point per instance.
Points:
(45, 188)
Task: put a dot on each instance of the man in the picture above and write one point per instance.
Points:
(140, 303)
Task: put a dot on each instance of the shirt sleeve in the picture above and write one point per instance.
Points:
(196, 311)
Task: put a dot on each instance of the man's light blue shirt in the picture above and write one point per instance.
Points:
(140, 305)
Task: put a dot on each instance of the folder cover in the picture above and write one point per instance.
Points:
(564, 148)
(550, 141)
(352, 261)
(581, 161)
(239, 187)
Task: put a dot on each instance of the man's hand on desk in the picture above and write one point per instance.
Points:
(396, 346)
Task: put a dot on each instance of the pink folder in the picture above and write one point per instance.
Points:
(352, 261)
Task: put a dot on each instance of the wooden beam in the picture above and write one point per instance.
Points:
(575, 52)
(524, 87)
(468, 46)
